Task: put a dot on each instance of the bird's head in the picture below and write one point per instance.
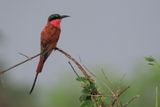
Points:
(56, 16)
(55, 19)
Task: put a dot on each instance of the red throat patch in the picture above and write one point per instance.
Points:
(56, 22)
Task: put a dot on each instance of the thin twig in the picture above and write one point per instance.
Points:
(106, 77)
(86, 67)
(117, 96)
(131, 100)
(60, 50)
(80, 59)
(106, 85)
(76, 62)
(23, 55)
(73, 69)
(156, 97)
(20, 63)
(109, 88)
(89, 71)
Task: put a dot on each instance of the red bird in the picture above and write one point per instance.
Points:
(49, 38)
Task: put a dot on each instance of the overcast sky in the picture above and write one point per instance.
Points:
(115, 33)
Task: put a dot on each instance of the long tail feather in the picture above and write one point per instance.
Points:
(35, 79)
(39, 69)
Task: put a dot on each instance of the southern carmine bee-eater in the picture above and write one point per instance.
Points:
(49, 38)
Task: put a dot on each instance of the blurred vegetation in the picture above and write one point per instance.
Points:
(66, 93)
(15, 97)
(143, 82)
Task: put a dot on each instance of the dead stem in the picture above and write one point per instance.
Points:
(76, 62)
(73, 69)
(131, 100)
(118, 95)
(20, 63)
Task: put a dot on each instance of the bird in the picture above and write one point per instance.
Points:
(49, 38)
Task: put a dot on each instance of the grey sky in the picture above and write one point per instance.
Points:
(117, 33)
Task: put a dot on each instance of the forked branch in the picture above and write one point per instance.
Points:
(76, 62)
(20, 63)
(58, 49)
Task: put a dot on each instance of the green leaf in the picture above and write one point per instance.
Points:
(149, 58)
(81, 79)
(82, 98)
(88, 103)
(86, 91)
(150, 63)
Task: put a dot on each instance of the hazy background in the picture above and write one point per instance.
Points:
(112, 33)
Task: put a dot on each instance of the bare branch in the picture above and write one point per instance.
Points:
(76, 62)
(89, 71)
(60, 50)
(23, 55)
(118, 95)
(106, 77)
(20, 63)
(131, 100)
(73, 69)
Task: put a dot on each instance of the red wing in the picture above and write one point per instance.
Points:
(49, 39)
(47, 36)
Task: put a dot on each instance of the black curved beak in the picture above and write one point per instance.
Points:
(64, 16)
